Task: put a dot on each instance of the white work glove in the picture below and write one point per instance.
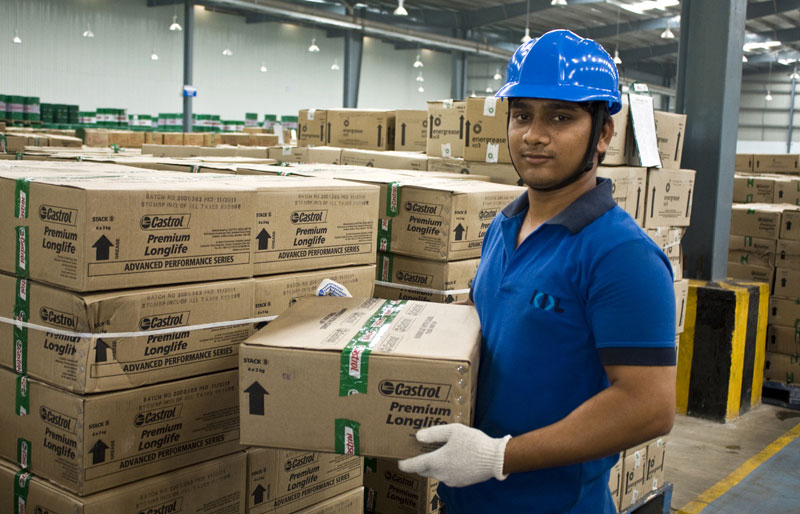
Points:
(468, 456)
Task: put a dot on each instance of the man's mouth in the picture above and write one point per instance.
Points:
(536, 158)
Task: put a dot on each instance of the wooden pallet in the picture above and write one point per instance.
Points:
(780, 394)
(654, 502)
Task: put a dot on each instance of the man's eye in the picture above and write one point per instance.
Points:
(521, 116)
(560, 117)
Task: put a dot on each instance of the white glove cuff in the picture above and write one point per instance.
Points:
(499, 458)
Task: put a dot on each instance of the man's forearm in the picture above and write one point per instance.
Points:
(617, 418)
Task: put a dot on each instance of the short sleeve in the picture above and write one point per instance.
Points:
(631, 306)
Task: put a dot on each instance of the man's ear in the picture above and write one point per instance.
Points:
(606, 133)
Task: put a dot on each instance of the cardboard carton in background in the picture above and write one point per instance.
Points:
(361, 128)
(427, 281)
(787, 190)
(615, 483)
(753, 189)
(285, 481)
(670, 131)
(787, 283)
(88, 443)
(752, 272)
(782, 339)
(757, 220)
(681, 294)
(264, 140)
(420, 372)
(173, 138)
(669, 197)
(411, 130)
(787, 254)
(446, 128)
(192, 138)
(486, 130)
(772, 163)
(628, 187)
(790, 224)
(783, 311)
(498, 173)
(324, 155)
(390, 491)
(634, 467)
(656, 453)
(783, 368)
(351, 502)
(207, 488)
(619, 148)
(288, 153)
(311, 125)
(744, 162)
(387, 160)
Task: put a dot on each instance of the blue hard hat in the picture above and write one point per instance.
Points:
(563, 66)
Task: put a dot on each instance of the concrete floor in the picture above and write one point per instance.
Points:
(700, 453)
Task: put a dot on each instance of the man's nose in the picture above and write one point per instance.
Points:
(536, 134)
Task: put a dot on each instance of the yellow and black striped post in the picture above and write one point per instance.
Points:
(721, 352)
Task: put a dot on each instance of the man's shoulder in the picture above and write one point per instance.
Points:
(613, 229)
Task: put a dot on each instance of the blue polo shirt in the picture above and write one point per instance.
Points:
(586, 289)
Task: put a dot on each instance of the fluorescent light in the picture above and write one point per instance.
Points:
(497, 75)
(420, 78)
(421, 89)
(88, 32)
(667, 34)
(744, 58)
(313, 47)
(768, 98)
(558, 2)
(154, 56)
(418, 62)
(617, 60)
(787, 62)
(175, 25)
(16, 39)
(649, 5)
(335, 65)
(760, 45)
(527, 37)
(472, 94)
(794, 75)
(227, 52)
(263, 68)
(489, 89)
(400, 11)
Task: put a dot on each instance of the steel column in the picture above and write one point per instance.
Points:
(353, 48)
(791, 113)
(188, 56)
(708, 92)
(458, 85)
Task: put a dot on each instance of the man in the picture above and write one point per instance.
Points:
(576, 306)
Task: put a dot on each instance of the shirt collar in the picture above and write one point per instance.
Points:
(577, 215)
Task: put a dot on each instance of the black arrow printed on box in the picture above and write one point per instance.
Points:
(638, 197)
(263, 238)
(98, 452)
(461, 127)
(380, 127)
(101, 349)
(258, 494)
(402, 134)
(256, 393)
(466, 140)
(459, 230)
(102, 245)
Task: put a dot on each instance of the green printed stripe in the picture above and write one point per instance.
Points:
(22, 259)
(354, 363)
(21, 480)
(392, 199)
(20, 335)
(22, 196)
(24, 453)
(385, 266)
(23, 396)
(347, 437)
(3, 143)
(384, 235)
(22, 300)
(18, 156)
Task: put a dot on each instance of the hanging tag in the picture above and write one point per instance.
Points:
(492, 149)
(490, 106)
(644, 130)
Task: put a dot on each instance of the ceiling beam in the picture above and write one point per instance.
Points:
(761, 9)
(158, 3)
(489, 15)
(646, 52)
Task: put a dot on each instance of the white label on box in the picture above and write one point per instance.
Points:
(490, 106)
(287, 150)
(446, 150)
(447, 104)
(492, 149)
(311, 114)
(644, 130)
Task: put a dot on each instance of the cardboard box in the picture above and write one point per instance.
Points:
(324, 155)
(264, 140)
(386, 160)
(172, 139)
(744, 162)
(446, 128)
(283, 154)
(102, 231)
(669, 240)
(681, 294)
(752, 273)
(787, 254)
(391, 491)
(784, 312)
(210, 487)
(311, 223)
(499, 173)
(615, 483)
(751, 258)
(634, 467)
(787, 283)
(276, 293)
(17, 142)
(94, 137)
(486, 130)
(782, 339)
(787, 190)
(628, 187)
(285, 481)
(790, 224)
(781, 367)
(64, 141)
(157, 138)
(311, 127)
(406, 278)
(361, 128)
(419, 371)
(411, 130)
(753, 189)
(619, 151)
(235, 138)
(752, 250)
(669, 198)
(351, 502)
(211, 139)
(771, 163)
(94, 442)
(654, 476)
(670, 132)
(442, 220)
(756, 220)
(91, 365)
(193, 138)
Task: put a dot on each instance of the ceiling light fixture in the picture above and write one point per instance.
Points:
(313, 46)
(227, 52)
(760, 45)
(497, 75)
(400, 10)
(420, 78)
(648, 5)
(335, 65)
(16, 39)
(175, 25)
(794, 75)
(489, 89)
(418, 62)
(667, 34)
(527, 36)
(421, 89)
(88, 32)
(263, 68)
(744, 58)
(154, 56)
(768, 98)
(558, 2)
(617, 60)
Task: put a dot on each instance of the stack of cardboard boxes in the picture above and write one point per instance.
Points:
(765, 246)
(109, 386)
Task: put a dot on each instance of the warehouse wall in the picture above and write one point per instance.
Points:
(763, 125)
(114, 68)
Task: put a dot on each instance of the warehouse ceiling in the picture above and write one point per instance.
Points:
(492, 30)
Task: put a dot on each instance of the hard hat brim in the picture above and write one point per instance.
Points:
(563, 92)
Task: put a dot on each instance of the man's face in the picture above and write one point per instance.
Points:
(547, 139)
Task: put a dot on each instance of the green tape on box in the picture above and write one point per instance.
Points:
(22, 193)
(22, 257)
(385, 266)
(347, 439)
(384, 235)
(23, 403)
(20, 334)
(3, 143)
(354, 362)
(392, 199)
(370, 497)
(21, 480)
(23, 453)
